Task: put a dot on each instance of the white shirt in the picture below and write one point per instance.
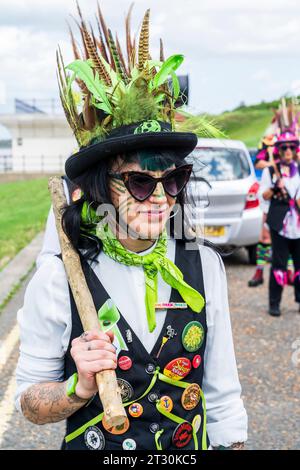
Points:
(291, 221)
(45, 329)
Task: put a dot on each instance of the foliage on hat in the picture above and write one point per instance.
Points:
(103, 89)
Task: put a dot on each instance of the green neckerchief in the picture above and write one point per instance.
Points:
(152, 263)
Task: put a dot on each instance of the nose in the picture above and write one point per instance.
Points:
(158, 194)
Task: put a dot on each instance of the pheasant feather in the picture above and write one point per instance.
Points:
(144, 41)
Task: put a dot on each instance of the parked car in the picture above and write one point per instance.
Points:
(228, 211)
(258, 172)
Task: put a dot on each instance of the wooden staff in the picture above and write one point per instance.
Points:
(109, 391)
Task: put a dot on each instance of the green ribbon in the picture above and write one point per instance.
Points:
(99, 417)
(157, 375)
(152, 263)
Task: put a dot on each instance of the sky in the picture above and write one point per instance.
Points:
(235, 50)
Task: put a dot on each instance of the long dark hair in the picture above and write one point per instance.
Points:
(95, 187)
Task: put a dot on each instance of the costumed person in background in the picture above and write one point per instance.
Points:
(285, 118)
(264, 158)
(171, 344)
(281, 186)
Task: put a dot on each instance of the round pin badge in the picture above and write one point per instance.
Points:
(182, 435)
(129, 444)
(166, 403)
(124, 363)
(94, 438)
(192, 336)
(178, 368)
(136, 410)
(116, 430)
(196, 423)
(196, 361)
(191, 397)
(126, 390)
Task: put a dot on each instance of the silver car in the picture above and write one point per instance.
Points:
(228, 211)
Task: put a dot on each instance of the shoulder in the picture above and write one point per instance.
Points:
(50, 276)
(211, 260)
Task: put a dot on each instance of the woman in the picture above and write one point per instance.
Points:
(264, 159)
(171, 342)
(280, 185)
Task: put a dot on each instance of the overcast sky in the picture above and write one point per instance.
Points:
(235, 50)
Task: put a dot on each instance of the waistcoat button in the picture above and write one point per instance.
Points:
(153, 397)
(150, 368)
(154, 427)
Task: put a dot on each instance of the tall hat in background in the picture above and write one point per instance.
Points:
(117, 103)
(286, 118)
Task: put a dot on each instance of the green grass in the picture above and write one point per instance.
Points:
(248, 125)
(24, 206)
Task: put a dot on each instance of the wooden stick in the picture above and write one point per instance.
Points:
(109, 391)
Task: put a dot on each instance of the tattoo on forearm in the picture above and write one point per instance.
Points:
(48, 403)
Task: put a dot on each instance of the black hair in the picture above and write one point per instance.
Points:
(95, 188)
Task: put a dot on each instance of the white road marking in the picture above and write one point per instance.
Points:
(7, 406)
(8, 345)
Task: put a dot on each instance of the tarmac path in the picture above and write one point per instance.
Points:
(268, 358)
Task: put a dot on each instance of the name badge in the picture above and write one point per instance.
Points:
(170, 305)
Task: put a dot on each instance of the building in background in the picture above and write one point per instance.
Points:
(41, 139)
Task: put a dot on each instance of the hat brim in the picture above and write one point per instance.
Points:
(182, 143)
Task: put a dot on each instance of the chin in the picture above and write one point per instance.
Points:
(148, 231)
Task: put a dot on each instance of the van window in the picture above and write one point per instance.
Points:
(220, 164)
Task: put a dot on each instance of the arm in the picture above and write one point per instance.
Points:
(266, 185)
(48, 403)
(45, 328)
(226, 415)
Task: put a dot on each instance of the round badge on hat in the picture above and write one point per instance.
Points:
(196, 361)
(117, 430)
(166, 403)
(178, 368)
(126, 390)
(192, 336)
(129, 444)
(94, 438)
(135, 410)
(196, 423)
(182, 435)
(191, 397)
(124, 363)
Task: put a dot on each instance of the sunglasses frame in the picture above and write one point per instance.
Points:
(125, 176)
(285, 147)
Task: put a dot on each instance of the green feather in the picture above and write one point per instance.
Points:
(169, 66)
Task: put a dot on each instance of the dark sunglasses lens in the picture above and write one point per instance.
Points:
(140, 186)
(284, 148)
(176, 181)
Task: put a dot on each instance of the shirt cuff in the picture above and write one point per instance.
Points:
(227, 432)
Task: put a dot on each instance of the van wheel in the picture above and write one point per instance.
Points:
(252, 254)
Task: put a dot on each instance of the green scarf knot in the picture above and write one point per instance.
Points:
(152, 263)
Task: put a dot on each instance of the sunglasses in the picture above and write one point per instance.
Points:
(285, 147)
(141, 185)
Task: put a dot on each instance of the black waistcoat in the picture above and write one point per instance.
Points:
(141, 429)
(278, 208)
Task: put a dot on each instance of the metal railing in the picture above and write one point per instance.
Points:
(42, 164)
